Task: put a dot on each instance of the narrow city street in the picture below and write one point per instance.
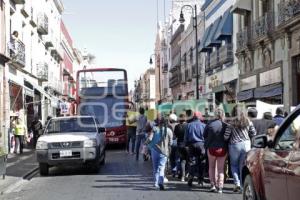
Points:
(120, 178)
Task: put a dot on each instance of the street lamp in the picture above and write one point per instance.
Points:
(159, 84)
(182, 20)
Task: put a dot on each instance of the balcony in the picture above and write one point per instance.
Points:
(188, 75)
(174, 80)
(243, 39)
(288, 12)
(18, 1)
(263, 27)
(33, 18)
(25, 10)
(48, 41)
(194, 71)
(226, 54)
(42, 71)
(17, 53)
(214, 60)
(42, 24)
(182, 78)
(165, 68)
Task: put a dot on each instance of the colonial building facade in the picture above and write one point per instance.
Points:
(264, 50)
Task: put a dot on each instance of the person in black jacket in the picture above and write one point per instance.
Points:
(261, 125)
(217, 150)
(179, 132)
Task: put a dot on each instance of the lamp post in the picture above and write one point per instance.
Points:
(181, 20)
(159, 84)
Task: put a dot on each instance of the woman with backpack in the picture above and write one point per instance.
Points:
(159, 141)
(216, 150)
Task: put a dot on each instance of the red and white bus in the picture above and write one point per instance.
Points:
(103, 93)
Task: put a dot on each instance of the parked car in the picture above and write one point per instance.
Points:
(272, 168)
(69, 141)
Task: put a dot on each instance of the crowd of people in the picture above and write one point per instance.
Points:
(193, 145)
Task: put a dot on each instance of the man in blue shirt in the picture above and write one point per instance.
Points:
(194, 140)
(279, 117)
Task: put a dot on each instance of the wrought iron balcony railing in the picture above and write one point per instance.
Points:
(42, 71)
(288, 10)
(174, 80)
(226, 54)
(33, 18)
(243, 38)
(42, 24)
(188, 75)
(263, 26)
(214, 60)
(17, 52)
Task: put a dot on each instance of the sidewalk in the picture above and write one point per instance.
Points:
(17, 168)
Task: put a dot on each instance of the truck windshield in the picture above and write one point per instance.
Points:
(67, 125)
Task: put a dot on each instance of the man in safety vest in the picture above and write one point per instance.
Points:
(20, 135)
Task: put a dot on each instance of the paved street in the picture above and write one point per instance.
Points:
(121, 178)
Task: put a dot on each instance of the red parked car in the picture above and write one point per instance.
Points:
(272, 168)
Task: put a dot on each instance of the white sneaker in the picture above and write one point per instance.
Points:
(166, 180)
(182, 179)
(213, 189)
(220, 191)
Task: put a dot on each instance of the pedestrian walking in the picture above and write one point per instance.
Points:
(194, 140)
(179, 133)
(261, 126)
(173, 153)
(279, 117)
(20, 135)
(131, 132)
(238, 133)
(141, 122)
(216, 150)
(36, 128)
(159, 141)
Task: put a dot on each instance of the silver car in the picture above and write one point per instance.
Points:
(71, 140)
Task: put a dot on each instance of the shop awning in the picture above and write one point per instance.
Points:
(268, 91)
(210, 41)
(241, 6)
(245, 95)
(225, 27)
(202, 47)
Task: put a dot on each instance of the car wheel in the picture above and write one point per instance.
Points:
(249, 191)
(44, 169)
(103, 158)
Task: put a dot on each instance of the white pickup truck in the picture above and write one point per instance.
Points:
(71, 140)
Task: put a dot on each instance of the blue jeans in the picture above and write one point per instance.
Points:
(131, 130)
(159, 162)
(139, 139)
(237, 153)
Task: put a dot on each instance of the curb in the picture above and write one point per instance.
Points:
(30, 174)
(15, 186)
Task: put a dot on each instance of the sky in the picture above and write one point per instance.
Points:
(120, 33)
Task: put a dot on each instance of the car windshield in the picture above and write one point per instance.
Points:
(71, 125)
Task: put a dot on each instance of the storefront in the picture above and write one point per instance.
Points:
(223, 85)
(266, 86)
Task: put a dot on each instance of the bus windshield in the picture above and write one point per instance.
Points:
(103, 93)
(109, 111)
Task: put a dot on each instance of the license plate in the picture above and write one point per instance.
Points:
(113, 139)
(65, 153)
